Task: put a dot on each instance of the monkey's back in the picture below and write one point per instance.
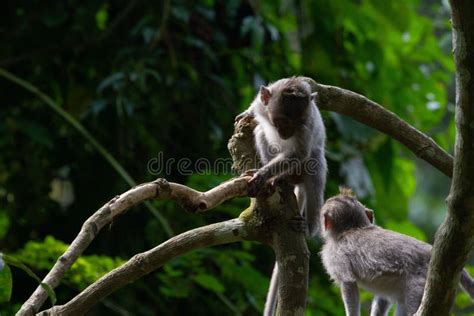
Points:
(380, 260)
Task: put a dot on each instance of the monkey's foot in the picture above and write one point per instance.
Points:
(275, 181)
(298, 224)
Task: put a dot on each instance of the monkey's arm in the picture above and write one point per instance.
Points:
(380, 306)
(240, 116)
(350, 295)
(283, 163)
(249, 112)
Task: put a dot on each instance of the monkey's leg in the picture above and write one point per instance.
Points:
(299, 223)
(413, 295)
(262, 145)
(380, 306)
(350, 295)
(314, 198)
(272, 295)
(401, 310)
(467, 283)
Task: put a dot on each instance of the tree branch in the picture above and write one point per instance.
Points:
(199, 202)
(159, 189)
(370, 113)
(146, 262)
(455, 237)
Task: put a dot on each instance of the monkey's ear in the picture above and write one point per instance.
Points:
(265, 95)
(370, 215)
(313, 96)
(328, 221)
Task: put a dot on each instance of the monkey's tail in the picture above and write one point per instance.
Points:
(467, 283)
(272, 295)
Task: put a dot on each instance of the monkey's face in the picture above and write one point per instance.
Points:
(284, 126)
(288, 114)
(287, 103)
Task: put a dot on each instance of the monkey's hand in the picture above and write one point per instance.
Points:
(241, 116)
(298, 224)
(249, 173)
(256, 183)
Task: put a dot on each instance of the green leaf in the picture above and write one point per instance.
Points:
(406, 228)
(101, 18)
(114, 79)
(18, 264)
(4, 223)
(209, 282)
(5, 282)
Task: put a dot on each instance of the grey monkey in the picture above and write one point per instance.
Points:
(356, 253)
(290, 139)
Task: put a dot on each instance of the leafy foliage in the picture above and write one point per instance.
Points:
(5, 282)
(146, 78)
(87, 269)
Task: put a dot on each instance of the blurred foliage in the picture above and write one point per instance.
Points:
(87, 269)
(6, 283)
(168, 77)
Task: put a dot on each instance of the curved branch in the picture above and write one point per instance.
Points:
(146, 262)
(372, 114)
(199, 202)
(455, 237)
(159, 189)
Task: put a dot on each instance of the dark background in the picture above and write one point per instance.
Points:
(146, 78)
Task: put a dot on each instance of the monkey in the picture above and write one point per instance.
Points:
(290, 140)
(289, 133)
(356, 252)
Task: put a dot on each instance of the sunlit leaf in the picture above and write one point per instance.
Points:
(5, 282)
(13, 261)
(407, 228)
(101, 18)
(209, 282)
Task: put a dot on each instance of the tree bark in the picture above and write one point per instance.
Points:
(268, 217)
(455, 237)
(372, 114)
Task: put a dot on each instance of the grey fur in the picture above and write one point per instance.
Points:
(380, 306)
(306, 144)
(393, 266)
